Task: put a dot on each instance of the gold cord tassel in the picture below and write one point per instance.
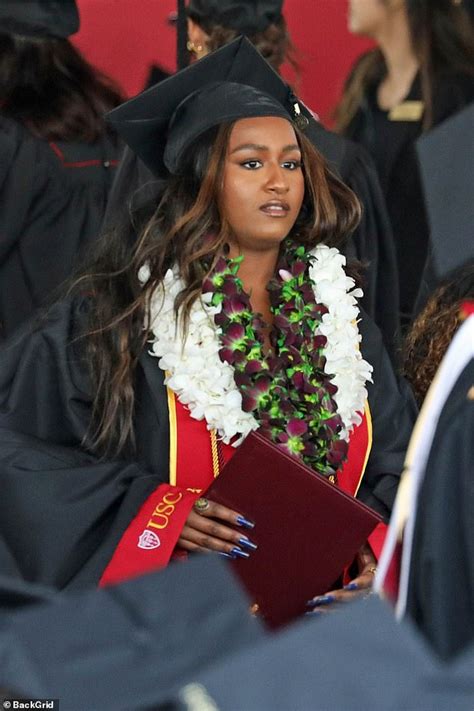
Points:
(215, 454)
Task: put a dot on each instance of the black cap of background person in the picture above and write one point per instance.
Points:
(354, 659)
(244, 16)
(127, 646)
(231, 83)
(446, 156)
(39, 18)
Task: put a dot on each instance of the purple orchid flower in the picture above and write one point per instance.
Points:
(257, 395)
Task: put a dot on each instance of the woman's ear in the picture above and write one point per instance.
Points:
(197, 39)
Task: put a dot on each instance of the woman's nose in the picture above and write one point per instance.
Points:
(277, 179)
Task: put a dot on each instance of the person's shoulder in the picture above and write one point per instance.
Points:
(344, 155)
(17, 142)
(12, 136)
(16, 132)
(356, 161)
(11, 129)
(79, 157)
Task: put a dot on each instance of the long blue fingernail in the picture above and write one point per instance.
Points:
(351, 586)
(239, 553)
(226, 555)
(313, 613)
(244, 541)
(320, 600)
(241, 521)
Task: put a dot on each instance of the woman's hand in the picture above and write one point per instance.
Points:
(358, 587)
(204, 530)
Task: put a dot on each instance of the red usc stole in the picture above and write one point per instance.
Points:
(150, 540)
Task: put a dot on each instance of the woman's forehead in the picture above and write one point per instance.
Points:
(263, 131)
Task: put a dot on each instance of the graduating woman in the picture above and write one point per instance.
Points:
(421, 72)
(230, 311)
(211, 24)
(57, 154)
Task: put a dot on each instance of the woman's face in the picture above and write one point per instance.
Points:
(367, 17)
(263, 182)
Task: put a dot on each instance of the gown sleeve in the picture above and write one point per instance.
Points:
(62, 510)
(393, 413)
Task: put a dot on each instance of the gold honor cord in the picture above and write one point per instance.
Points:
(216, 458)
(215, 454)
(173, 436)
(368, 418)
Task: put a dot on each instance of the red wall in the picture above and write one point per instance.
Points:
(123, 37)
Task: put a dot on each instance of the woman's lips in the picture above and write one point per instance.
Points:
(275, 209)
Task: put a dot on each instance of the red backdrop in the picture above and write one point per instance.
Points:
(123, 37)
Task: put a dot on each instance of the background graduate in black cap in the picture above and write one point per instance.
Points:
(103, 452)
(212, 24)
(57, 156)
(430, 535)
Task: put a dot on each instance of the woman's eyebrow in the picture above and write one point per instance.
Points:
(258, 147)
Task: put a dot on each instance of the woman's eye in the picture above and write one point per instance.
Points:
(292, 164)
(251, 164)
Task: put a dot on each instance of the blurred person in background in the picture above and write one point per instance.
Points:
(432, 331)
(212, 24)
(430, 540)
(57, 156)
(420, 73)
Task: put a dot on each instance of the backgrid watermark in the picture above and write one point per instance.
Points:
(11, 704)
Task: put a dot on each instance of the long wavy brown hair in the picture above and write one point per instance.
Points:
(47, 85)
(434, 328)
(185, 228)
(442, 37)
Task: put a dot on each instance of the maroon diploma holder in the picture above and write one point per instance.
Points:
(307, 530)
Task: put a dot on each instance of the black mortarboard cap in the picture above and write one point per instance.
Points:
(39, 18)
(446, 156)
(232, 83)
(244, 16)
(128, 646)
(359, 658)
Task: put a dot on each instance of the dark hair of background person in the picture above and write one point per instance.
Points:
(443, 41)
(274, 43)
(48, 86)
(187, 229)
(434, 328)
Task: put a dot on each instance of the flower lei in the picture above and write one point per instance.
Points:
(309, 394)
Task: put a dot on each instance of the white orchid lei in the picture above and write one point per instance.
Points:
(200, 373)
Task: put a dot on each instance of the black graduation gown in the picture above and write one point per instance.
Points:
(441, 584)
(372, 242)
(392, 146)
(62, 511)
(52, 201)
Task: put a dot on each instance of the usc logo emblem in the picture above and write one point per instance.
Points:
(162, 512)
